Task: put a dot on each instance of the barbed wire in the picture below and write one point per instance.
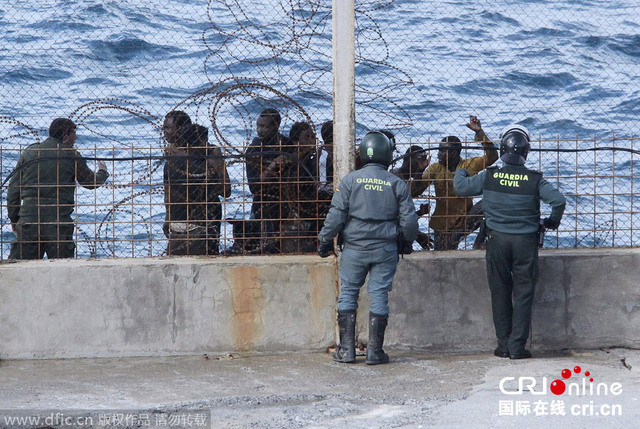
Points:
(294, 36)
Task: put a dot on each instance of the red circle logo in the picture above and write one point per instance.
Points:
(558, 387)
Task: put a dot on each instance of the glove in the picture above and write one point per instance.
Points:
(550, 223)
(404, 247)
(325, 248)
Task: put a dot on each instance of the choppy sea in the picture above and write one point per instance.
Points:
(567, 70)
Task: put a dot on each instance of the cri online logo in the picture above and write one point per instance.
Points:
(580, 387)
(558, 387)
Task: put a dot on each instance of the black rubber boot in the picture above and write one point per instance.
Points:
(500, 352)
(346, 352)
(377, 326)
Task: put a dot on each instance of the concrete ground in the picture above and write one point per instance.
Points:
(308, 390)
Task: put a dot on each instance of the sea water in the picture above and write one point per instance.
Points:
(566, 69)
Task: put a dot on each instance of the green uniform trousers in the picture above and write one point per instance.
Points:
(512, 272)
(35, 239)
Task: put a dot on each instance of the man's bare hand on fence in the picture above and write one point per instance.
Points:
(424, 209)
(474, 124)
(423, 162)
(102, 166)
(274, 169)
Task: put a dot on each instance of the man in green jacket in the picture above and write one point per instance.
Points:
(40, 198)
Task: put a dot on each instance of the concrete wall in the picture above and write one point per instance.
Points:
(585, 299)
(165, 306)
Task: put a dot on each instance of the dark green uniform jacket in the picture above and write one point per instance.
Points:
(46, 182)
(511, 197)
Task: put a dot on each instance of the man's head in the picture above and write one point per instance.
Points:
(186, 136)
(303, 137)
(174, 120)
(63, 129)
(268, 124)
(514, 144)
(326, 131)
(414, 159)
(449, 152)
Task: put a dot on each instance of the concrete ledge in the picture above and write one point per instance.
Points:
(53, 309)
(585, 298)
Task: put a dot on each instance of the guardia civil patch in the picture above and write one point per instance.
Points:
(369, 151)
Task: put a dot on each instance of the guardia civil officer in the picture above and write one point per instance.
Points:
(371, 207)
(511, 202)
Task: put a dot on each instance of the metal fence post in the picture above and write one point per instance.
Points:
(344, 108)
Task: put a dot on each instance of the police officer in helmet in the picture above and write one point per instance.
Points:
(372, 208)
(511, 202)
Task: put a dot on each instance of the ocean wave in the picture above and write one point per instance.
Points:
(565, 127)
(596, 93)
(629, 107)
(592, 41)
(543, 32)
(165, 92)
(548, 52)
(541, 81)
(626, 44)
(497, 17)
(477, 86)
(61, 25)
(128, 48)
(34, 74)
(98, 9)
(95, 81)
(24, 38)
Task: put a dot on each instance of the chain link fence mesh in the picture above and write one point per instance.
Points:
(566, 70)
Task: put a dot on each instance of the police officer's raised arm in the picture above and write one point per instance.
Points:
(466, 186)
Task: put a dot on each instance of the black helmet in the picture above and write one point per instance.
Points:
(376, 147)
(514, 144)
(391, 137)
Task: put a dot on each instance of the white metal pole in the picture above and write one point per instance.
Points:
(344, 81)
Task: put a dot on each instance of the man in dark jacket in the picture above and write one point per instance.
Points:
(195, 177)
(268, 207)
(325, 158)
(372, 208)
(45, 181)
(511, 200)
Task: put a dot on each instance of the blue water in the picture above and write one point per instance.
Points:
(565, 69)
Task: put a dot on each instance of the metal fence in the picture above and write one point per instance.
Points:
(568, 71)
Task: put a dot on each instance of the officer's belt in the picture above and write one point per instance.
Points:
(371, 220)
